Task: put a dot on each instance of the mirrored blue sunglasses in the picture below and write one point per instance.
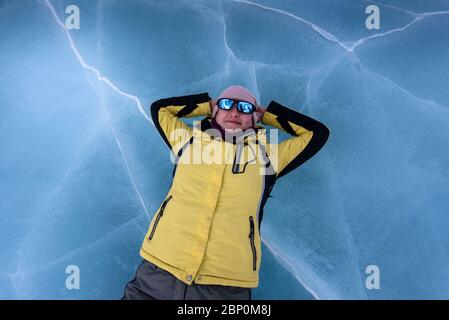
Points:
(242, 106)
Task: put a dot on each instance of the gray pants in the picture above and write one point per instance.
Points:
(154, 283)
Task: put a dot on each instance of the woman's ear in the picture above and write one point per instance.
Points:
(214, 110)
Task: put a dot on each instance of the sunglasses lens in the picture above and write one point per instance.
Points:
(225, 104)
(245, 107)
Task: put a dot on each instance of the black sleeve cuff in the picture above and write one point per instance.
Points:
(187, 99)
(285, 114)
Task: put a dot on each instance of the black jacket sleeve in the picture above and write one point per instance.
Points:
(309, 136)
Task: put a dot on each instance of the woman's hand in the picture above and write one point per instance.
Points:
(260, 110)
(212, 103)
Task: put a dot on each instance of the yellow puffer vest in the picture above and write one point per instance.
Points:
(207, 229)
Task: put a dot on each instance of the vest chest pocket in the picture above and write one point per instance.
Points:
(159, 216)
(251, 240)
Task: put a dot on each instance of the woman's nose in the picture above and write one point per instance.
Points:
(234, 111)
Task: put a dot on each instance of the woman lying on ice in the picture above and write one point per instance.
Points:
(204, 240)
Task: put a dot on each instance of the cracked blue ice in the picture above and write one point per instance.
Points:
(82, 168)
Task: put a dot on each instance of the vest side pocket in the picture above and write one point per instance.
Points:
(159, 216)
(251, 239)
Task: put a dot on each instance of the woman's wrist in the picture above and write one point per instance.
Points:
(261, 110)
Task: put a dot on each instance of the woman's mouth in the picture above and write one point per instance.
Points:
(232, 121)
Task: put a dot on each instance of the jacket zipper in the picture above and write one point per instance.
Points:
(253, 247)
(159, 215)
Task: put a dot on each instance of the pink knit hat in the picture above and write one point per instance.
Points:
(238, 92)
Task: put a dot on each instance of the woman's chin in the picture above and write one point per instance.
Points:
(232, 129)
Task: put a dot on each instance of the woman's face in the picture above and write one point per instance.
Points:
(233, 119)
